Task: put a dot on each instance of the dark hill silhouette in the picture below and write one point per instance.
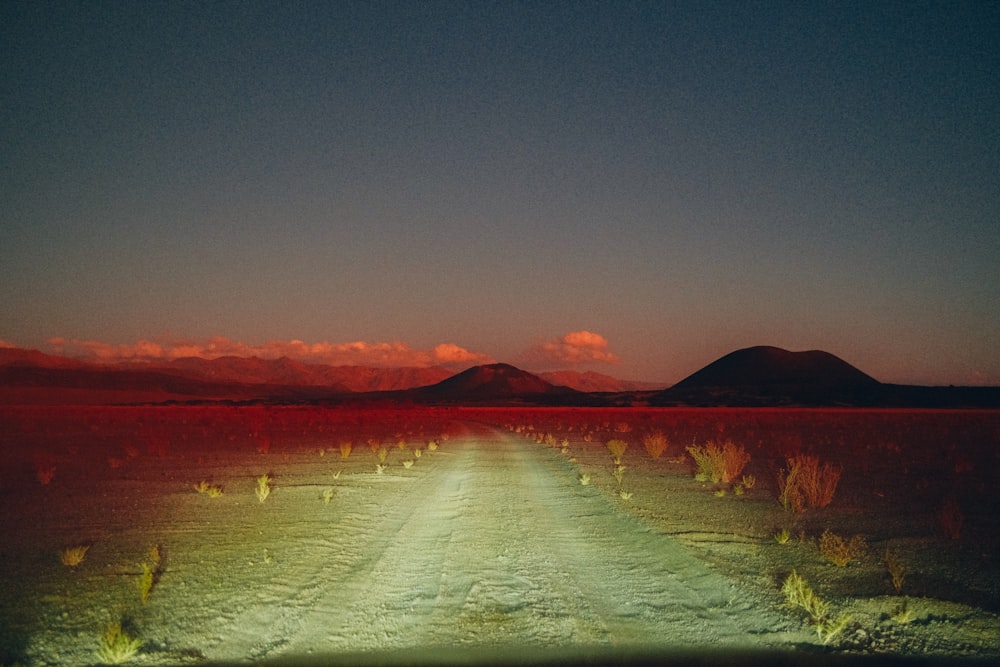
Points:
(765, 375)
(494, 382)
(765, 366)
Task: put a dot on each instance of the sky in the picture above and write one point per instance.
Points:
(631, 188)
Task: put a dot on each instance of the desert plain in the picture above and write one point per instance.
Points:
(234, 534)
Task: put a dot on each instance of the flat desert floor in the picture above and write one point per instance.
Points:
(478, 535)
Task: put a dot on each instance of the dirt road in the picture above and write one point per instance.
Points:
(495, 544)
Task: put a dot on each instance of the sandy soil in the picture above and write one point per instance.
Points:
(489, 546)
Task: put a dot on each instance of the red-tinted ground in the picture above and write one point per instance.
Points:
(488, 542)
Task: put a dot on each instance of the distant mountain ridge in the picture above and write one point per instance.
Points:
(290, 372)
(752, 377)
(286, 371)
(590, 381)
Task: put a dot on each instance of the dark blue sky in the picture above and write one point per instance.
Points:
(366, 182)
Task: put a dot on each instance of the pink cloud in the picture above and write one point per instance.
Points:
(576, 347)
(449, 353)
(356, 353)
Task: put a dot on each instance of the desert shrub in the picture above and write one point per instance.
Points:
(618, 472)
(117, 645)
(152, 570)
(807, 484)
(73, 556)
(798, 594)
(655, 444)
(951, 519)
(617, 448)
(895, 569)
(263, 489)
(839, 551)
(345, 448)
(45, 474)
(210, 490)
(719, 463)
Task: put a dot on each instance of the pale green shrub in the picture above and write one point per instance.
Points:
(117, 645)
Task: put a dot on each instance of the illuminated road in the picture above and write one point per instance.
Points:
(496, 545)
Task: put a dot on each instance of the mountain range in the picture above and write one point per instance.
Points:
(754, 376)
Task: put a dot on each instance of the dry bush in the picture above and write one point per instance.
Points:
(951, 519)
(655, 444)
(807, 484)
(895, 568)
(73, 556)
(210, 490)
(719, 463)
(263, 489)
(345, 448)
(617, 448)
(45, 474)
(618, 473)
(839, 551)
(152, 570)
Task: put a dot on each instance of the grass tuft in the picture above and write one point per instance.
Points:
(798, 594)
(117, 645)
